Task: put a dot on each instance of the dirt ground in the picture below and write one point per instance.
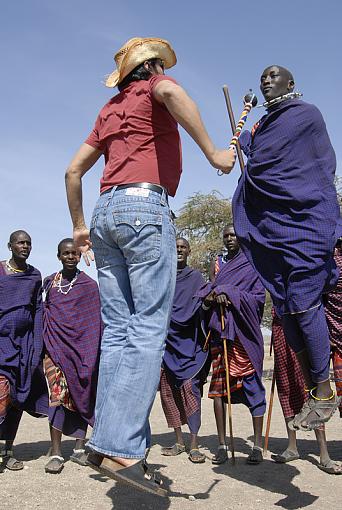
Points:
(291, 486)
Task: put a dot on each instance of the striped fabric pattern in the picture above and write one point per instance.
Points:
(239, 367)
(5, 399)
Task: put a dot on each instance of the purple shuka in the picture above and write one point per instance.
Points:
(285, 206)
(72, 336)
(21, 342)
(184, 357)
(239, 281)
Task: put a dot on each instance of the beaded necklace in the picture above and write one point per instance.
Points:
(280, 99)
(14, 269)
(66, 288)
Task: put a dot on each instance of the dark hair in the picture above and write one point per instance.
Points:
(63, 241)
(15, 234)
(138, 73)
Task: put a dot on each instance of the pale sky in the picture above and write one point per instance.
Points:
(56, 54)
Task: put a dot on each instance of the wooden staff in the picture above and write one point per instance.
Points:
(270, 405)
(269, 414)
(226, 363)
(206, 343)
(233, 124)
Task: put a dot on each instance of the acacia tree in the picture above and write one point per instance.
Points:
(201, 221)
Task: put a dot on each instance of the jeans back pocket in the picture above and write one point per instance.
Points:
(139, 232)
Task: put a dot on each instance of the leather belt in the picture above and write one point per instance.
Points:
(144, 185)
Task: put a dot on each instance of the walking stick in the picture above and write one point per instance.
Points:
(226, 364)
(270, 408)
(269, 414)
(233, 124)
(250, 100)
(206, 343)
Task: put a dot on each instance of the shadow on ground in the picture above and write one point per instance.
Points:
(269, 476)
(33, 451)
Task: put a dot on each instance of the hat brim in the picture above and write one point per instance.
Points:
(138, 53)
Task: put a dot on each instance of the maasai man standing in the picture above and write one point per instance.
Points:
(134, 244)
(292, 395)
(72, 335)
(237, 291)
(184, 368)
(333, 313)
(285, 215)
(22, 381)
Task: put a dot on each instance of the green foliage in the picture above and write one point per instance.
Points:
(338, 184)
(201, 221)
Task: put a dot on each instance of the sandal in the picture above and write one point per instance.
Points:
(255, 456)
(55, 465)
(221, 455)
(196, 456)
(317, 409)
(286, 456)
(172, 451)
(10, 462)
(303, 413)
(138, 475)
(331, 467)
(79, 457)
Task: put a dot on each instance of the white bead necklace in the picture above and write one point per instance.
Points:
(66, 288)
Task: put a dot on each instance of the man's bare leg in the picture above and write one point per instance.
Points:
(257, 428)
(177, 448)
(220, 417)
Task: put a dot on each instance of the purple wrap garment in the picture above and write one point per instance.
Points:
(285, 206)
(21, 341)
(184, 356)
(72, 336)
(240, 282)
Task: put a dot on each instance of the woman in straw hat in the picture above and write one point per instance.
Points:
(133, 238)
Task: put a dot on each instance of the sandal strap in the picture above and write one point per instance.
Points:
(56, 457)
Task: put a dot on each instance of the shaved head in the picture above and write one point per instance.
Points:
(276, 81)
(14, 236)
(285, 72)
(184, 241)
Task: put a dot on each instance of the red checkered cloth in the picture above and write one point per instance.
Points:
(337, 365)
(5, 399)
(239, 367)
(178, 404)
(289, 377)
(333, 307)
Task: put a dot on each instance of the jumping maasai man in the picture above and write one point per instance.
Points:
(22, 382)
(184, 368)
(292, 395)
(238, 290)
(72, 334)
(285, 215)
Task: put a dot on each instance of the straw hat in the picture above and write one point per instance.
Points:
(135, 52)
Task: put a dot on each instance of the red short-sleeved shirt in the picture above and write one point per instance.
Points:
(139, 139)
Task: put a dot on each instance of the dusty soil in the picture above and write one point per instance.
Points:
(292, 486)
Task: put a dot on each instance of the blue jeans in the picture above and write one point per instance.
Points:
(135, 251)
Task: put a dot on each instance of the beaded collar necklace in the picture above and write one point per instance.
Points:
(280, 99)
